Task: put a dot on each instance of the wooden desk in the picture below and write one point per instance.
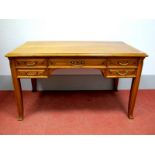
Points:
(39, 59)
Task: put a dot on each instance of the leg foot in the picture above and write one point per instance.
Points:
(20, 118)
(130, 116)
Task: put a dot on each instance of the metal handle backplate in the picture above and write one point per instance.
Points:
(77, 62)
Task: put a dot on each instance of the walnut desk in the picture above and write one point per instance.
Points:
(38, 59)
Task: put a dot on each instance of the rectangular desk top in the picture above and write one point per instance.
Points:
(75, 48)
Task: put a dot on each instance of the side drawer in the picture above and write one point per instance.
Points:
(32, 73)
(31, 63)
(123, 62)
(124, 73)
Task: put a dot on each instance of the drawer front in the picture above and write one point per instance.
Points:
(122, 62)
(121, 72)
(31, 63)
(27, 73)
(86, 62)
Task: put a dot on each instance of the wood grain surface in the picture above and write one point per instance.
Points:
(75, 48)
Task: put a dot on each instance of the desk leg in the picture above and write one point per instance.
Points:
(17, 92)
(34, 85)
(115, 84)
(134, 90)
(19, 98)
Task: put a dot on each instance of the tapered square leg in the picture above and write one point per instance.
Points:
(34, 84)
(134, 90)
(115, 84)
(19, 98)
(17, 91)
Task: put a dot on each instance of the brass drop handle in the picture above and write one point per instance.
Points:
(123, 64)
(122, 74)
(31, 63)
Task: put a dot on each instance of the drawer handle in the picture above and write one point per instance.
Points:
(122, 74)
(31, 63)
(123, 64)
(77, 63)
(31, 73)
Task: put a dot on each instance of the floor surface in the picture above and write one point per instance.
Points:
(78, 112)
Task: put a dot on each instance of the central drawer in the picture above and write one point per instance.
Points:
(77, 62)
